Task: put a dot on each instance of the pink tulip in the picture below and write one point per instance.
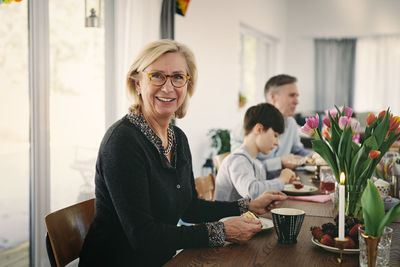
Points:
(348, 111)
(333, 112)
(327, 122)
(356, 138)
(343, 122)
(355, 125)
(307, 130)
(313, 122)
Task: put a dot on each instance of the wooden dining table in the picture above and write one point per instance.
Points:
(264, 250)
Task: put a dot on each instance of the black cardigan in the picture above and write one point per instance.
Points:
(139, 200)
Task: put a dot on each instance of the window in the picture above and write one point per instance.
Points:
(377, 81)
(76, 108)
(257, 63)
(14, 134)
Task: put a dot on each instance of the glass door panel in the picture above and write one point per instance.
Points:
(77, 92)
(14, 135)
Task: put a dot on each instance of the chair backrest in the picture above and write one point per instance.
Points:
(205, 186)
(218, 159)
(67, 229)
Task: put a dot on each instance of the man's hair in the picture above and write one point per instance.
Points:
(266, 114)
(274, 83)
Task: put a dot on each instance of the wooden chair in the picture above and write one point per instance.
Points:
(218, 159)
(66, 231)
(205, 186)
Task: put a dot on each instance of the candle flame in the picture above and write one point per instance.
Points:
(342, 178)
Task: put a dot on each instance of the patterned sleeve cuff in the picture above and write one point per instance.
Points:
(243, 204)
(216, 234)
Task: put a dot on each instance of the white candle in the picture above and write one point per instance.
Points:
(341, 206)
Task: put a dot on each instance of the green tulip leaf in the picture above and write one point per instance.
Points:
(325, 152)
(373, 209)
(345, 148)
(382, 129)
(392, 214)
(371, 143)
(359, 159)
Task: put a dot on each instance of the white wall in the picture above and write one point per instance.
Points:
(211, 29)
(308, 19)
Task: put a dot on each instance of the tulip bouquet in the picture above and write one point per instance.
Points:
(338, 146)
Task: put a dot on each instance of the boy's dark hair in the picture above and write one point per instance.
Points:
(274, 82)
(266, 114)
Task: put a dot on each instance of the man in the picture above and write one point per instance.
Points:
(280, 91)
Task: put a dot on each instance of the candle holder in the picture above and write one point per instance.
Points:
(341, 244)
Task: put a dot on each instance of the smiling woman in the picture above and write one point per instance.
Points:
(160, 97)
(187, 67)
(144, 177)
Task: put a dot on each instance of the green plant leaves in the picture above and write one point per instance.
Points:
(220, 140)
(392, 214)
(345, 150)
(382, 129)
(374, 212)
(373, 209)
(325, 152)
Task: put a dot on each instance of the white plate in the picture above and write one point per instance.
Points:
(267, 223)
(310, 168)
(335, 250)
(298, 162)
(291, 190)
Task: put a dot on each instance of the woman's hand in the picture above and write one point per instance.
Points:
(266, 202)
(241, 229)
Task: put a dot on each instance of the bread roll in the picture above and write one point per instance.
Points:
(251, 215)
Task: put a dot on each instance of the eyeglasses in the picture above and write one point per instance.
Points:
(177, 80)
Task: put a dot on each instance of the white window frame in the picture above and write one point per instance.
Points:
(39, 136)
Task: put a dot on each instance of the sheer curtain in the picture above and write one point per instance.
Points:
(167, 23)
(334, 72)
(136, 23)
(377, 77)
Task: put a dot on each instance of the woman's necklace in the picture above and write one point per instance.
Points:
(170, 142)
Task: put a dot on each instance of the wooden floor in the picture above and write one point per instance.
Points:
(16, 257)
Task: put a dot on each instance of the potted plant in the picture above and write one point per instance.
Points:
(220, 140)
(375, 222)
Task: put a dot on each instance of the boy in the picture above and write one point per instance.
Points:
(241, 174)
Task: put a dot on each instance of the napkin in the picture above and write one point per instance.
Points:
(313, 198)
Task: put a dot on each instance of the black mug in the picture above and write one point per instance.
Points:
(287, 224)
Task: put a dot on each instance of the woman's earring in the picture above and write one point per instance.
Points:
(138, 93)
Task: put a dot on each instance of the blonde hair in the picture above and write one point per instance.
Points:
(146, 57)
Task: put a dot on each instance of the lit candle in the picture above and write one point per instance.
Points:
(341, 205)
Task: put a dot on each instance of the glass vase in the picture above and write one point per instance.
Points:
(375, 251)
(353, 201)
